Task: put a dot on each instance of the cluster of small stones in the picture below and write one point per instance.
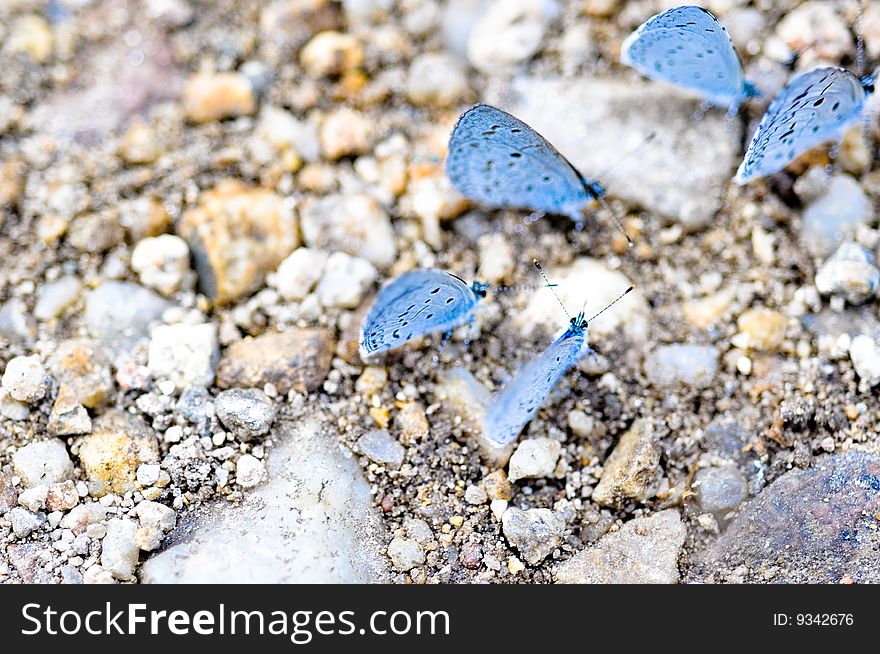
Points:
(198, 204)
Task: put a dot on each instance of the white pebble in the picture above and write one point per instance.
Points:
(534, 458)
(298, 273)
(161, 262)
(25, 379)
(345, 281)
(249, 471)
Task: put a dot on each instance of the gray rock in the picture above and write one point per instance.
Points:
(405, 554)
(71, 575)
(24, 522)
(119, 549)
(535, 532)
(195, 405)
(719, 489)
(809, 526)
(379, 446)
(313, 522)
(56, 296)
(29, 561)
(597, 121)
(834, 215)
(80, 517)
(42, 463)
(246, 412)
(354, 224)
(643, 551)
(680, 363)
(120, 313)
(16, 323)
(509, 33)
(8, 492)
(850, 272)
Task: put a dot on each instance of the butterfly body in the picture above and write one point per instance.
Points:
(499, 161)
(417, 303)
(516, 404)
(813, 108)
(687, 46)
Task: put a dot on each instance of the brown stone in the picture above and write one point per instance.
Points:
(297, 359)
(62, 496)
(68, 416)
(84, 368)
(208, 97)
(238, 234)
(631, 468)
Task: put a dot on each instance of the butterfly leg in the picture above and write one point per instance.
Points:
(446, 336)
(700, 112)
(534, 217)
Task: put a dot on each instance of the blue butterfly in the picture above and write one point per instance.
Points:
(813, 108)
(689, 47)
(417, 303)
(516, 404)
(499, 161)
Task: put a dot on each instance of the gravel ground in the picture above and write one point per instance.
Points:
(199, 201)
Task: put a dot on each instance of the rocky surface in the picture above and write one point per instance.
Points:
(198, 204)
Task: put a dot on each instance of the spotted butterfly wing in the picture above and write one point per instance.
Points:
(499, 161)
(689, 47)
(813, 108)
(516, 404)
(415, 304)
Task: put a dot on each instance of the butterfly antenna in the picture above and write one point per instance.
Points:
(635, 150)
(860, 39)
(550, 286)
(610, 304)
(615, 219)
(522, 287)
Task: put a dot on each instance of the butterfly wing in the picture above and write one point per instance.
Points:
(414, 304)
(499, 161)
(688, 47)
(516, 404)
(813, 108)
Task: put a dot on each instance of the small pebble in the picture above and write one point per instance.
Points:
(25, 379)
(761, 329)
(119, 549)
(298, 274)
(42, 463)
(161, 262)
(379, 446)
(436, 80)
(850, 272)
(210, 97)
(405, 554)
(535, 532)
(331, 53)
(184, 354)
(509, 33)
(534, 458)
(246, 412)
(55, 297)
(345, 281)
